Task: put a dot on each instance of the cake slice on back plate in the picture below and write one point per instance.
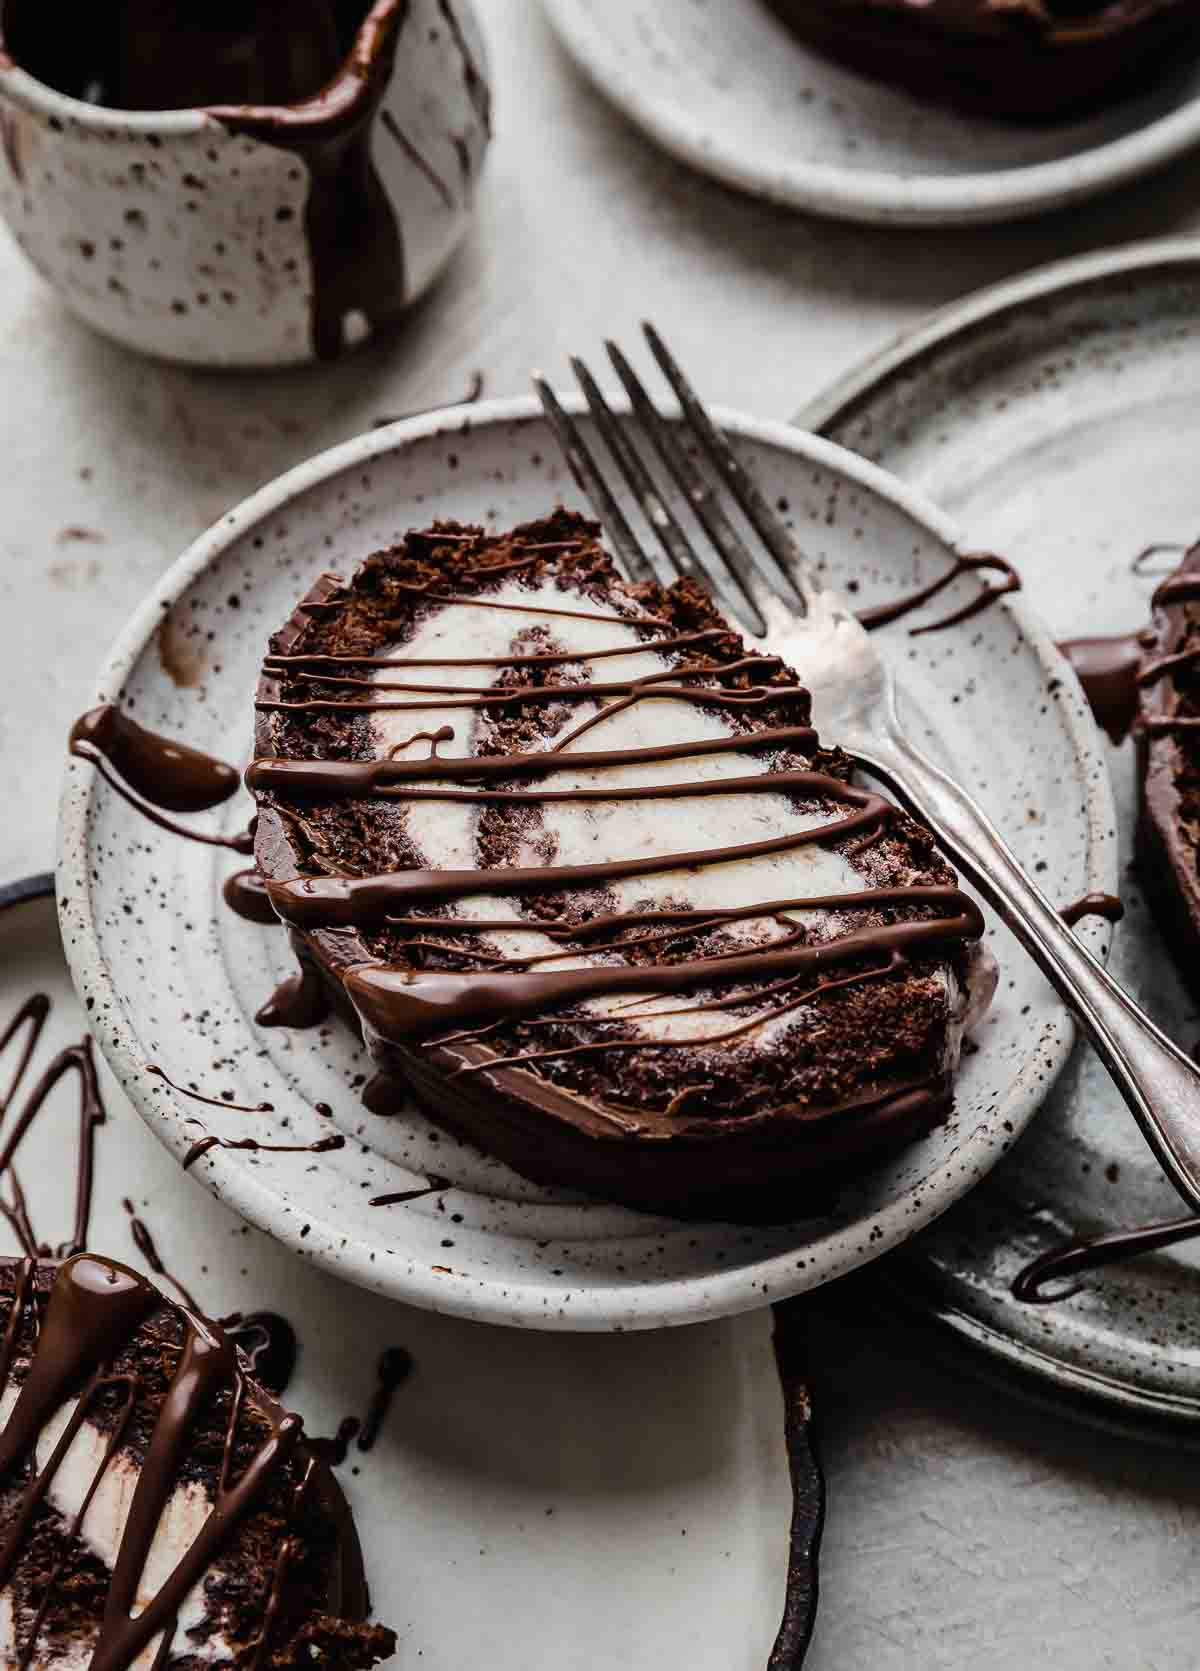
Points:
(1168, 732)
(576, 862)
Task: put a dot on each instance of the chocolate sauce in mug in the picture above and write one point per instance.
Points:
(307, 77)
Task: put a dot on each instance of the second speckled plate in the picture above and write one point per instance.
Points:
(1057, 418)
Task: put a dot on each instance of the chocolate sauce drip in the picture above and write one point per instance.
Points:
(76, 1059)
(245, 893)
(383, 1095)
(95, 1309)
(299, 1001)
(474, 80)
(205, 1145)
(168, 774)
(1108, 669)
(333, 1452)
(1092, 1253)
(394, 1368)
(401, 1197)
(269, 1345)
(354, 240)
(967, 562)
(145, 1244)
(153, 772)
(1107, 906)
(213, 1102)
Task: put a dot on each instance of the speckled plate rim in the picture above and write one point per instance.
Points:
(670, 1302)
(872, 196)
(835, 404)
(1105, 1401)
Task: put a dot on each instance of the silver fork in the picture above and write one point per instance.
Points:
(769, 587)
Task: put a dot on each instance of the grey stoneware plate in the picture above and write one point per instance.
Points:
(654, 1467)
(1057, 418)
(728, 90)
(171, 977)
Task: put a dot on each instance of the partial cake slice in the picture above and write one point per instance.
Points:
(575, 860)
(157, 1507)
(1168, 732)
(1032, 60)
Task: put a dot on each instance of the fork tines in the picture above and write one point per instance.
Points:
(729, 567)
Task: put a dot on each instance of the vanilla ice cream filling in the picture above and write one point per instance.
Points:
(443, 833)
(183, 1517)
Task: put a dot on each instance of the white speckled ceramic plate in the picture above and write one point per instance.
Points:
(725, 87)
(170, 975)
(1058, 418)
(653, 1467)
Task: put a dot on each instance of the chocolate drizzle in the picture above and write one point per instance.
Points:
(1091, 1253)
(156, 774)
(269, 1345)
(205, 1145)
(354, 240)
(156, 1072)
(76, 1059)
(299, 1001)
(1103, 905)
(145, 1244)
(1109, 670)
(967, 562)
(394, 1368)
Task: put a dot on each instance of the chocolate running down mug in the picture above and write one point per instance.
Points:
(256, 184)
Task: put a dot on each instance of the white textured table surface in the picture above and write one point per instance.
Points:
(964, 1529)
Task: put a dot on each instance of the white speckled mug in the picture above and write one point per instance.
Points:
(248, 235)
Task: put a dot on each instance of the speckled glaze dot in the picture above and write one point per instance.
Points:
(175, 979)
(202, 239)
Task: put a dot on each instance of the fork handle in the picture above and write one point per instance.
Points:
(1158, 1082)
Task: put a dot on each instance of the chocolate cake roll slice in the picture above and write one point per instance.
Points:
(157, 1508)
(572, 857)
(1031, 60)
(1168, 733)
